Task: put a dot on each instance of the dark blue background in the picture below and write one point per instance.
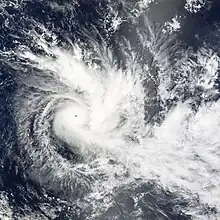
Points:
(196, 28)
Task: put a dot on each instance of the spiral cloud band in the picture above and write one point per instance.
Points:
(93, 112)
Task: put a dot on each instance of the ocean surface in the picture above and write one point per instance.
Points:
(109, 110)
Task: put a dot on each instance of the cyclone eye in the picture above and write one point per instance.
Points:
(76, 116)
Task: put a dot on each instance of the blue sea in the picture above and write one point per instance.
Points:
(109, 110)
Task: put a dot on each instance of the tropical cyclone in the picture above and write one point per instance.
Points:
(109, 113)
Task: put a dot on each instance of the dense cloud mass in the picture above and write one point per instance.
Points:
(109, 109)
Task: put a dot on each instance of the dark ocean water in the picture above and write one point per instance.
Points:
(67, 21)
